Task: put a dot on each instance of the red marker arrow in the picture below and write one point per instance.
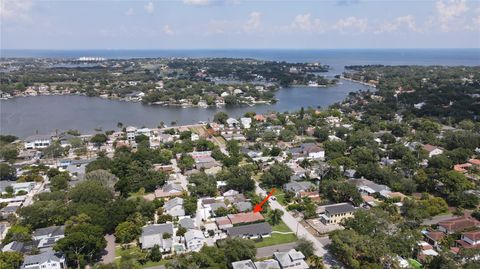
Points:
(258, 207)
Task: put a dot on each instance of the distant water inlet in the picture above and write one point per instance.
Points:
(24, 116)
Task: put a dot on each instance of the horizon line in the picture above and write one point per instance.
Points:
(146, 49)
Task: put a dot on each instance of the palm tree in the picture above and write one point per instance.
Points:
(119, 125)
(316, 262)
(275, 216)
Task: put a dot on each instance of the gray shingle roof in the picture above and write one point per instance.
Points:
(339, 208)
(187, 223)
(245, 264)
(255, 229)
(43, 257)
(157, 229)
(50, 231)
(173, 203)
(243, 206)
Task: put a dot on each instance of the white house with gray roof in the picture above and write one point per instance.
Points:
(37, 141)
(46, 260)
(267, 264)
(292, 259)
(245, 264)
(194, 240)
(336, 213)
(174, 207)
(187, 223)
(153, 235)
(299, 186)
(48, 236)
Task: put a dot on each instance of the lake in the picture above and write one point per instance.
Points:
(24, 116)
(44, 114)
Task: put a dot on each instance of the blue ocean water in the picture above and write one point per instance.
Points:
(334, 57)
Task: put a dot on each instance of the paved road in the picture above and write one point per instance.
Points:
(37, 189)
(268, 251)
(297, 227)
(109, 255)
(182, 178)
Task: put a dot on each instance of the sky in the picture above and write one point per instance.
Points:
(238, 24)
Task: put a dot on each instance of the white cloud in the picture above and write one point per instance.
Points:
(407, 21)
(168, 30)
(303, 22)
(197, 2)
(129, 12)
(149, 8)
(475, 25)
(210, 2)
(15, 10)
(254, 23)
(351, 23)
(448, 10)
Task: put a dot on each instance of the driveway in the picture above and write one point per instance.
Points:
(109, 252)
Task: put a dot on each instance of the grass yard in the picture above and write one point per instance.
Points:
(280, 196)
(415, 264)
(133, 251)
(275, 238)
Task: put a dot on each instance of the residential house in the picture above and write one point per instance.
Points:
(312, 151)
(267, 264)
(245, 264)
(252, 231)
(469, 240)
(244, 218)
(350, 173)
(194, 240)
(46, 260)
(246, 122)
(243, 206)
(336, 213)
(223, 223)
(10, 209)
(174, 207)
(238, 219)
(37, 141)
(131, 133)
(153, 235)
(249, 264)
(298, 186)
(434, 238)
(230, 193)
(368, 187)
(292, 259)
(171, 189)
(23, 187)
(432, 150)
(187, 223)
(203, 159)
(260, 117)
(48, 236)
(455, 225)
(233, 123)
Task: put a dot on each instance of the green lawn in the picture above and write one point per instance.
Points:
(280, 196)
(276, 239)
(132, 250)
(415, 264)
(281, 227)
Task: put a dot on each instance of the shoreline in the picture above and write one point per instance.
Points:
(261, 102)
